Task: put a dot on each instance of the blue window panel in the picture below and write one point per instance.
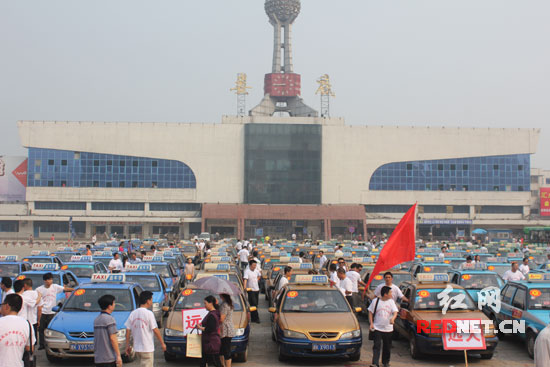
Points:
(84, 173)
(479, 175)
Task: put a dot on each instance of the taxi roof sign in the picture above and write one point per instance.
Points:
(63, 248)
(8, 257)
(108, 278)
(146, 268)
(300, 265)
(432, 277)
(538, 277)
(82, 258)
(39, 253)
(222, 259)
(45, 266)
(153, 258)
(103, 253)
(311, 279)
(216, 267)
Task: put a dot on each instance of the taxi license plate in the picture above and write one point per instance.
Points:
(324, 347)
(81, 347)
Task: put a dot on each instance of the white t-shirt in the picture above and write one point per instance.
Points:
(282, 282)
(322, 261)
(300, 260)
(251, 279)
(524, 269)
(239, 246)
(29, 311)
(344, 285)
(395, 291)
(49, 297)
(509, 275)
(4, 294)
(243, 255)
(116, 265)
(14, 333)
(384, 313)
(334, 277)
(354, 277)
(142, 322)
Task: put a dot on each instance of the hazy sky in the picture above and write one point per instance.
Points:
(420, 62)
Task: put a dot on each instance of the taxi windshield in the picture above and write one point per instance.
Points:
(426, 299)
(162, 269)
(84, 271)
(87, 301)
(499, 269)
(316, 301)
(397, 279)
(196, 298)
(66, 257)
(275, 273)
(9, 270)
(37, 279)
(104, 260)
(39, 260)
(432, 268)
(479, 281)
(539, 299)
(147, 282)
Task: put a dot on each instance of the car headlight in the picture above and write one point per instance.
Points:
(351, 334)
(49, 333)
(121, 333)
(172, 332)
(294, 334)
(156, 306)
(239, 332)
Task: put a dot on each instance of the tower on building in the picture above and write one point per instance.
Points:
(282, 87)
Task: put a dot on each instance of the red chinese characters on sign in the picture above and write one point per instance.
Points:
(463, 341)
(545, 201)
(192, 318)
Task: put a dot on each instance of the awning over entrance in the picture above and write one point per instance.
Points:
(324, 213)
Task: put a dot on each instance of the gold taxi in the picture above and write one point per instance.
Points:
(425, 307)
(192, 298)
(220, 270)
(312, 319)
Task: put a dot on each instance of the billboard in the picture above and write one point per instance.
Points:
(545, 201)
(13, 178)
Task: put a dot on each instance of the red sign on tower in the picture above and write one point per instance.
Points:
(282, 85)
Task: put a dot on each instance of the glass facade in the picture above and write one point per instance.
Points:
(61, 168)
(60, 205)
(495, 173)
(174, 207)
(118, 206)
(428, 209)
(282, 164)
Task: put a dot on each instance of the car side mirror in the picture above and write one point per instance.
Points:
(358, 309)
(272, 309)
(56, 308)
(166, 309)
(252, 308)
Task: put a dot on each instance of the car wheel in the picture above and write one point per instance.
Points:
(241, 357)
(52, 359)
(530, 342)
(282, 356)
(355, 356)
(169, 357)
(413, 347)
(487, 356)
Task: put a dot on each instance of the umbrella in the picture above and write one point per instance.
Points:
(217, 285)
(479, 231)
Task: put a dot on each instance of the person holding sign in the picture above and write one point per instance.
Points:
(382, 314)
(211, 341)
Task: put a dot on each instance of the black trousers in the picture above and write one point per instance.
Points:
(253, 299)
(110, 364)
(44, 322)
(379, 338)
(211, 360)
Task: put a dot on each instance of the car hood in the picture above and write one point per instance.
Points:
(437, 315)
(326, 322)
(83, 321)
(542, 315)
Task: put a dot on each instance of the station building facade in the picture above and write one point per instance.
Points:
(250, 176)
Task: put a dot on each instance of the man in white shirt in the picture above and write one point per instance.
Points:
(322, 260)
(48, 292)
(32, 305)
(284, 281)
(243, 257)
(6, 286)
(542, 348)
(513, 274)
(382, 314)
(251, 284)
(524, 268)
(239, 245)
(15, 332)
(115, 265)
(355, 277)
(301, 257)
(396, 293)
(141, 324)
(344, 285)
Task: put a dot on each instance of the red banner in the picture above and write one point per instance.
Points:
(545, 201)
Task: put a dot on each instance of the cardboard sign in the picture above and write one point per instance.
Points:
(191, 318)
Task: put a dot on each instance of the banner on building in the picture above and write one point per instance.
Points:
(545, 201)
(13, 178)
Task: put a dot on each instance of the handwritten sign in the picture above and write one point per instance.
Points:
(191, 318)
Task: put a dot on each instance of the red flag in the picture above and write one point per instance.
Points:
(400, 247)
